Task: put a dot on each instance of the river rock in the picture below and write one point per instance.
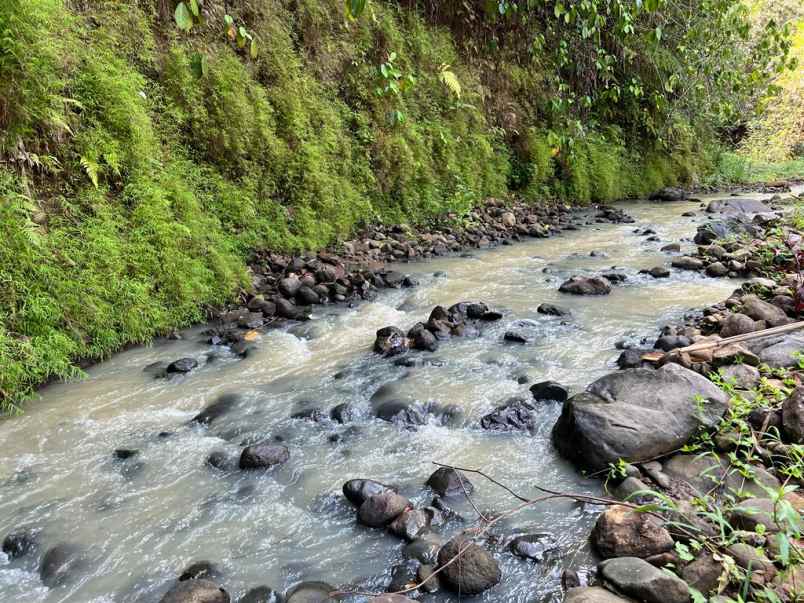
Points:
(310, 592)
(717, 269)
(288, 286)
(742, 375)
(586, 285)
(379, 510)
(533, 546)
(639, 579)
(357, 491)
(672, 247)
(59, 564)
(669, 193)
(737, 206)
(514, 415)
(20, 543)
(344, 413)
(749, 558)
(549, 390)
(793, 416)
(196, 591)
(783, 352)
(422, 339)
(263, 456)
(182, 365)
(401, 412)
(751, 512)
(410, 523)
(446, 481)
(622, 532)
(592, 594)
(721, 229)
(552, 310)
(390, 341)
(636, 414)
(261, 594)
(703, 572)
(762, 310)
(687, 263)
(657, 272)
(474, 572)
(739, 324)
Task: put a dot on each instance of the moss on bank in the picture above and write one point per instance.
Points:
(139, 165)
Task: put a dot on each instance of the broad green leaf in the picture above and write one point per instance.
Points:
(194, 8)
(253, 49)
(184, 19)
(198, 65)
(355, 8)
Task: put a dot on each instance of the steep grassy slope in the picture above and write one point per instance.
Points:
(139, 164)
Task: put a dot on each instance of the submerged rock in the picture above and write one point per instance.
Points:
(182, 365)
(474, 572)
(552, 310)
(533, 546)
(20, 543)
(59, 564)
(310, 592)
(636, 414)
(223, 405)
(261, 594)
(669, 193)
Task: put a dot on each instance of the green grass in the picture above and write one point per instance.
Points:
(738, 169)
(133, 187)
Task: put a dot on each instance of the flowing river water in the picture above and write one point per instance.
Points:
(141, 521)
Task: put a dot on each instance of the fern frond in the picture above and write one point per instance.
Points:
(450, 80)
(92, 169)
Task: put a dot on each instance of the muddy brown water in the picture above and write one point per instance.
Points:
(141, 521)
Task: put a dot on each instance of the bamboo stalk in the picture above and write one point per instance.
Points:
(705, 345)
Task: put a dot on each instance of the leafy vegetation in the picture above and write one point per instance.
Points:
(146, 148)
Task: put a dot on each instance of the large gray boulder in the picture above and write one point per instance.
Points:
(738, 206)
(735, 226)
(636, 414)
(639, 579)
(781, 352)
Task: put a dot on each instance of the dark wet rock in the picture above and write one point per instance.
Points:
(357, 491)
(592, 594)
(671, 247)
(586, 285)
(636, 414)
(631, 358)
(316, 415)
(514, 415)
(196, 591)
(401, 412)
(671, 342)
(310, 592)
(289, 286)
(218, 459)
(622, 532)
(533, 546)
(263, 456)
(422, 339)
(703, 572)
(122, 454)
(287, 309)
(379, 510)
(344, 413)
(261, 594)
(793, 416)
(687, 263)
(427, 577)
(549, 390)
(20, 543)
(637, 578)
(424, 548)
(552, 310)
(446, 481)
(669, 193)
(410, 523)
(306, 296)
(217, 409)
(182, 365)
(475, 571)
(60, 564)
(518, 336)
(390, 341)
(403, 575)
(201, 569)
(393, 279)
(657, 272)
